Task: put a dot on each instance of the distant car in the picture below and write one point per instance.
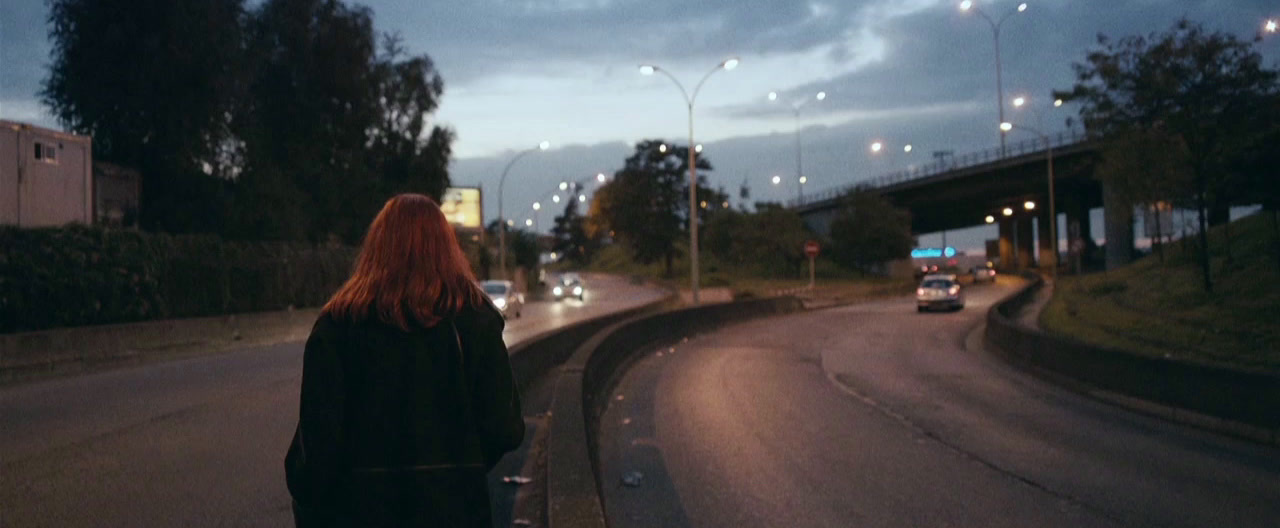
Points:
(504, 297)
(939, 291)
(984, 274)
(569, 285)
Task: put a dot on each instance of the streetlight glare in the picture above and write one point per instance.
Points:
(528, 222)
(991, 219)
(544, 145)
(804, 180)
(662, 148)
(1006, 126)
(537, 206)
(875, 147)
(965, 5)
(1057, 103)
(556, 198)
(646, 69)
(777, 179)
(906, 148)
(1008, 211)
(1029, 205)
(730, 64)
(821, 95)
(1019, 101)
(600, 177)
(1271, 26)
(564, 185)
(698, 148)
(1022, 7)
(773, 96)
(582, 198)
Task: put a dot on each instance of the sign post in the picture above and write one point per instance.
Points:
(811, 250)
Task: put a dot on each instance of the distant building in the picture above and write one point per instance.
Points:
(46, 178)
(115, 195)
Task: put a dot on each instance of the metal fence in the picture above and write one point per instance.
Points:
(1021, 148)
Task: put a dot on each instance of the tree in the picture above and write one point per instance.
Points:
(570, 234)
(153, 82)
(1148, 168)
(868, 230)
(409, 154)
(769, 241)
(1198, 87)
(646, 203)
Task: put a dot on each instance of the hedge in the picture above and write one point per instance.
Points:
(78, 276)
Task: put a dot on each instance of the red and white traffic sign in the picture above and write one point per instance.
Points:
(811, 249)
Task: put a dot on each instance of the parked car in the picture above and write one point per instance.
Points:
(939, 291)
(984, 274)
(504, 296)
(569, 285)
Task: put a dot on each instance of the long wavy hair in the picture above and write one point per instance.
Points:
(410, 271)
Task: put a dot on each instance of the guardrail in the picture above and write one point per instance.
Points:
(1029, 146)
(574, 496)
(1232, 401)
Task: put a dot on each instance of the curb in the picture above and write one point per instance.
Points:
(977, 341)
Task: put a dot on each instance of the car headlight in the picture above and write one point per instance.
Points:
(919, 291)
(954, 290)
(500, 303)
(557, 290)
(577, 290)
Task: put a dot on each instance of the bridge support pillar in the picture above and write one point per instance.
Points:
(1079, 229)
(1048, 246)
(1025, 242)
(1117, 216)
(1006, 245)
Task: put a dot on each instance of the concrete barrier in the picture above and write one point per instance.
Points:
(1234, 401)
(585, 382)
(33, 355)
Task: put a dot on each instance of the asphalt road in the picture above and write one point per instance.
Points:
(197, 442)
(874, 415)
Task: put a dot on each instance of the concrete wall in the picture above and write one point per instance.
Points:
(1229, 400)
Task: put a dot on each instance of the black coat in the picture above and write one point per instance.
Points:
(399, 428)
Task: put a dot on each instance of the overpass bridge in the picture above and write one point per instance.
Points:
(963, 191)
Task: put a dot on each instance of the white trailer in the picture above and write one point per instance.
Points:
(46, 176)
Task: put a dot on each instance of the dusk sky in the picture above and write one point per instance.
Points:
(899, 71)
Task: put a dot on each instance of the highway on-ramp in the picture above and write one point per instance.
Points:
(195, 442)
(873, 415)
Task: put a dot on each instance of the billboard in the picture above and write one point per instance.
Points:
(462, 206)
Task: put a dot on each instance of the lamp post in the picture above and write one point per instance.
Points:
(502, 221)
(967, 5)
(795, 110)
(1053, 211)
(648, 69)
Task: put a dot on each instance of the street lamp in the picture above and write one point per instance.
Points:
(727, 64)
(1053, 212)
(795, 110)
(967, 5)
(1270, 26)
(502, 224)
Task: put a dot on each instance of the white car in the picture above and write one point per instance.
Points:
(939, 291)
(569, 285)
(504, 297)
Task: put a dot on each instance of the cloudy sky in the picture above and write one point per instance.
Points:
(898, 71)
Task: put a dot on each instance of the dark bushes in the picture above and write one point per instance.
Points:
(79, 276)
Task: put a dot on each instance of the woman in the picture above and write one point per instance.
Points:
(407, 394)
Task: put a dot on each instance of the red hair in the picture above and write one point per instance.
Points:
(410, 269)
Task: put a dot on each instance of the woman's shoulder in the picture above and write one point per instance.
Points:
(481, 315)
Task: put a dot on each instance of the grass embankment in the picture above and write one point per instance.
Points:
(833, 282)
(1161, 309)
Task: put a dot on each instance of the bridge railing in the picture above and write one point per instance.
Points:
(1021, 148)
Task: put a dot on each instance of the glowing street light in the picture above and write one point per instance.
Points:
(582, 198)
(649, 69)
(537, 206)
(795, 110)
(1053, 212)
(804, 180)
(1271, 26)
(528, 222)
(1029, 205)
(777, 179)
(906, 148)
(502, 230)
(991, 219)
(967, 5)
(1008, 211)
(556, 198)
(600, 177)
(875, 147)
